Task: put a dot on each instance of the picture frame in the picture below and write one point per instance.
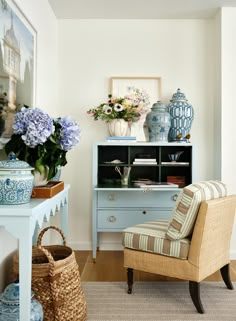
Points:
(122, 86)
(18, 47)
(152, 85)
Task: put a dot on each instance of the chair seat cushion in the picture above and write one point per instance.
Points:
(187, 206)
(151, 237)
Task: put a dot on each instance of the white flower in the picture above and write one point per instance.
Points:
(108, 110)
(118, 107)
(105, 107)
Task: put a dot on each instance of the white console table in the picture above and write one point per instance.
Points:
(23, 221)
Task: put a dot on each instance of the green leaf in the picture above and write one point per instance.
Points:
(40, 167)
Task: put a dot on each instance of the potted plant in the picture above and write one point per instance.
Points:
(42, 141)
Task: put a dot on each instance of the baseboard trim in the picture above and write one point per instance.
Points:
(83, 246)
(87, 246)
(232, 255)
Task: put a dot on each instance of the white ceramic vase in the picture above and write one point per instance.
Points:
(118, 127)
(40, 179)
(137, 129)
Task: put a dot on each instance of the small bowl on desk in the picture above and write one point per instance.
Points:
(175, 157)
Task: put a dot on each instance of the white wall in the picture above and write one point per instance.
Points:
(182, 52)
(42, 18)
(92, 51)
(216, 81)
(228, 104)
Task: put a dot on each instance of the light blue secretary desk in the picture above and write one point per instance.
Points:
(116, 207)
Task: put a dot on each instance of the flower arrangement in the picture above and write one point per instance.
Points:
(129, 107)
(41, 140)
(115, 108)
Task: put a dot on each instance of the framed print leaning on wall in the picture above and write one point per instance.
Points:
(146, 89)
(17, 65)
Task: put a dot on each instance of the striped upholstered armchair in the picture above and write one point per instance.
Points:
(192, 245)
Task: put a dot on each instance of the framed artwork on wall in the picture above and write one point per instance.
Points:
(146, 88)
(120, 86)
(17, 65)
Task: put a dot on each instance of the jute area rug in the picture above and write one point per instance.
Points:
(153, 301)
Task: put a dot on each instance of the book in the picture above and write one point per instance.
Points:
(140, 182)
(125, 141)
(180, 180)
(159, 185)
(145, 160)
(115, 138)
(175, 163)
(145, 163)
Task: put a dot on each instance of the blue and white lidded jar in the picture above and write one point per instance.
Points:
(10, 305)
(181, 115)
(158, 122)
(16, 181)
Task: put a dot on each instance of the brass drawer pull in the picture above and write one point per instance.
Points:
(112, 197)
(112, 219)
(175, 197)
(146, 189)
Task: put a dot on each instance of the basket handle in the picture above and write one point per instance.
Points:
(41, 234)
(49, 257)
(52, 278)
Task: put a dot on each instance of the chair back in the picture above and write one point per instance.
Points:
(210, 244)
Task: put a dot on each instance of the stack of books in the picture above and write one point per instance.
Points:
(159, 185)
(180, 180)
(145, 161)
(121, 139)
(174, 163)
(151, 184)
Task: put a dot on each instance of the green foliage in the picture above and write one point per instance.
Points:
(49, 154)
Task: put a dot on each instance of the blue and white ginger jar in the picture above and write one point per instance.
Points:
(158, 122)
(16, 181)
(181, 115)
(10, 305)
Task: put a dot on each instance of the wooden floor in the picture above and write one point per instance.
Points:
(109, 267)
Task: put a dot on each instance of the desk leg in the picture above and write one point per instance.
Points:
(95, 245)
(64, 219)
(25, 272)
(95, 242)
(36, 233)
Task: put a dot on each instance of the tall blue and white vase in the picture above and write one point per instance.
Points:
(158, 123)
(10, 305)
(181, 115)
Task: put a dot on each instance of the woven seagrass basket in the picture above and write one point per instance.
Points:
(56, 280)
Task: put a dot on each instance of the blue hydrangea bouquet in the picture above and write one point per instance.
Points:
(41, 140)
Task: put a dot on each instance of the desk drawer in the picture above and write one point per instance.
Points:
(162, 199)
(120, 219)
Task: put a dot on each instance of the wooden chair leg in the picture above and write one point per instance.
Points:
(130, 279)
(225, 273)
(194, 289)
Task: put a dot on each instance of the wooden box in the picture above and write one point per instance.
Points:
(180, 180)
(49, 190)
